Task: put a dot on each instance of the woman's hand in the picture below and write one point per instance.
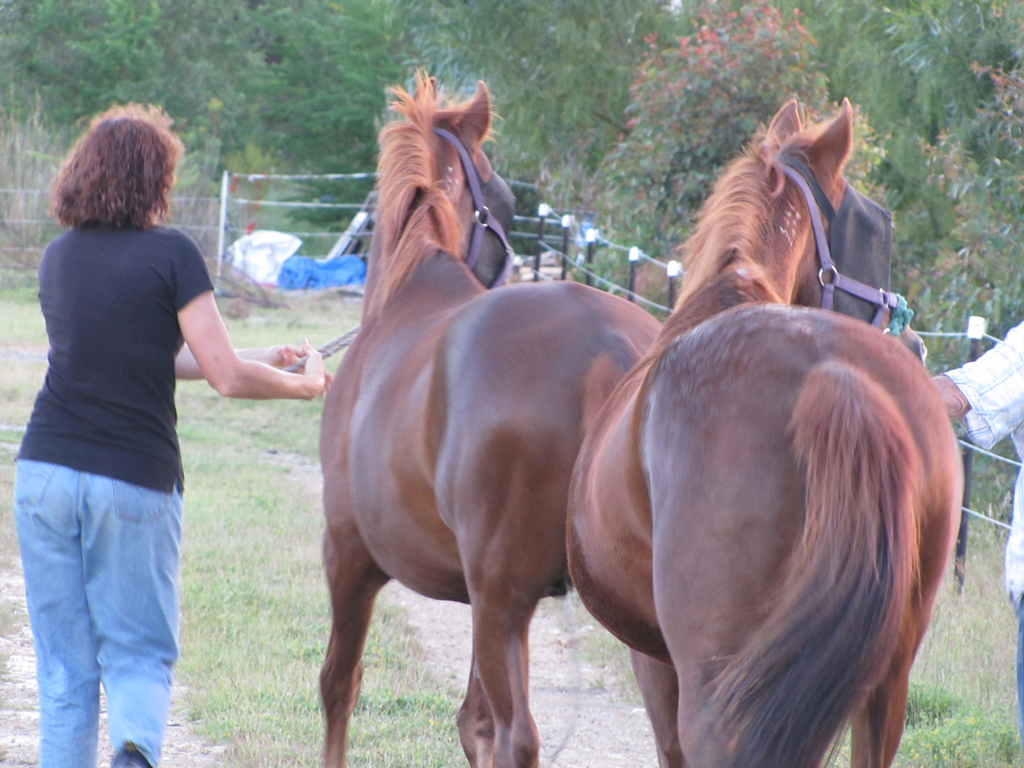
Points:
(313, 366)
(281, 355)
(249, 373)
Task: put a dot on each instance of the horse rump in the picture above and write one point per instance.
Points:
(782, 701)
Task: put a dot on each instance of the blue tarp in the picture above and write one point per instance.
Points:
(301, 273)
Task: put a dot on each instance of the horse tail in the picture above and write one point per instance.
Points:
(836, 621)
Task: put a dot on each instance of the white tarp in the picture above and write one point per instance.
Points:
(261, 253)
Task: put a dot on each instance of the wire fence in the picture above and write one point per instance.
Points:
(570, 232)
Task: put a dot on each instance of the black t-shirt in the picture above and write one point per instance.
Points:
(110, 298)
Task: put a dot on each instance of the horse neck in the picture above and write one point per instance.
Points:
(436, 280)
(396, 259)
(707, 281)
(751, 216)
(741, 281)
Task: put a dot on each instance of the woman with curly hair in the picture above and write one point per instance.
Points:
(129, 308)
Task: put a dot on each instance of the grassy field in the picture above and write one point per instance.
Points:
(255, 616)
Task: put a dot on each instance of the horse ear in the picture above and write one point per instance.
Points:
(786, 122)
(831, 148)
(475, 121)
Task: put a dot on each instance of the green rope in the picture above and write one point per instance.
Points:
(899, 318)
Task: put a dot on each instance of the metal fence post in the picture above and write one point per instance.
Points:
(975, 332)
(225, 187)
(566, 226)
(542, 211)
(634, 257)
(591, 238)
(672, 271)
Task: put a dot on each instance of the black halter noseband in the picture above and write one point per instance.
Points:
(482, 219)
(828, 275)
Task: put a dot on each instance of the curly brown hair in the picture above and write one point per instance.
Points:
(120, 172)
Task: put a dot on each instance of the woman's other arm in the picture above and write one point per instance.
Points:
(252, 374)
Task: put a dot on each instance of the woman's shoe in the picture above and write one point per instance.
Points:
(129, 757)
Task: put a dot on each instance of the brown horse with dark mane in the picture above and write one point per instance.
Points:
(765, 507)
(449, 434)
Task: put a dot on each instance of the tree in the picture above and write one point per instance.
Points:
(694, 104)
(300, 81)
(81, 56)
(912, 65)
(323, 85)
(559, 71)
(980, 267)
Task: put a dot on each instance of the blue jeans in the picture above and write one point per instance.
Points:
(100, 558)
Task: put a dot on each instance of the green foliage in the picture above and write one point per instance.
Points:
(928, 705)
(942, 731)
(695, 104)
(969, 740)
(303, 79)
(982, 263)
(324, 82)
(81, 56)
(559, 72)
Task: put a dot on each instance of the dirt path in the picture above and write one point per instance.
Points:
(582, 721)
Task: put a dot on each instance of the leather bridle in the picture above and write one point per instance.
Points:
(828, 274)
(482, 218)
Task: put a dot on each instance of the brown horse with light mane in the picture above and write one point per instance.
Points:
(449, 434)
(765, 507)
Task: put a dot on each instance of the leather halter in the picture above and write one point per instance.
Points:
(482, 219)
(828, 275)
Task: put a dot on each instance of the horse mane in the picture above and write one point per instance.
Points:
(415, 216)
(738, 220)
(739, 281)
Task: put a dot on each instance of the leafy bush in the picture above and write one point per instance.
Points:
(695, 104)
(966, 741)
(942, 733)
(929, 705)
(980, 268)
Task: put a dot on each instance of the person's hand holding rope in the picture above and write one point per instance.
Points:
(328, 349)
(303, 359)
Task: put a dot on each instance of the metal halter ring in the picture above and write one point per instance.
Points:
(832, 280)
(482, 214)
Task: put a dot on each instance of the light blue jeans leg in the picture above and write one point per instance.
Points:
(101, 569)
(49, 537)
(132, 539)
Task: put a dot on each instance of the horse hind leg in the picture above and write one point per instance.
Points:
(500, 650)
(659, 687)
(354, 581)
(878, 727)
(476, 723)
